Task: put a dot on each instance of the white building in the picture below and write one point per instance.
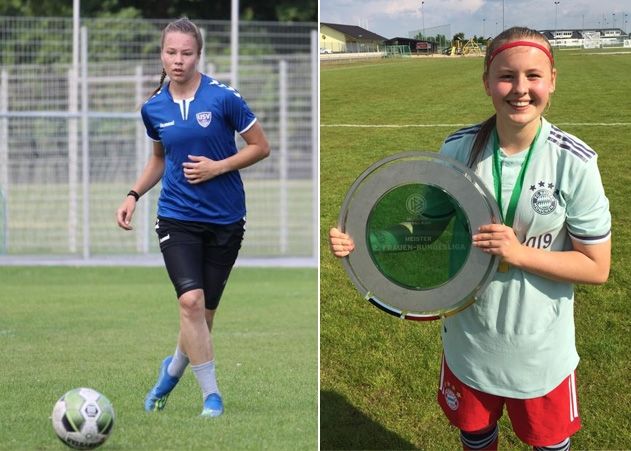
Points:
(588, 38)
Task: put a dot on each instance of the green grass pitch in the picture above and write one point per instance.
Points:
(110, 328)
(378, 374)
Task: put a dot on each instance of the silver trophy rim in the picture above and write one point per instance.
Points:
(472, 196)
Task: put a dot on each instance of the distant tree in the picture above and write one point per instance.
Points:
(441, 39)
(481, 40)
(17, 44)
(458, 37)
(279, 10)
(35, 8)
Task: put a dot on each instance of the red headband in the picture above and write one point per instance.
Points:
(512, 44)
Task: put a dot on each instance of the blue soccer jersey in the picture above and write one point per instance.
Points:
(203, 125)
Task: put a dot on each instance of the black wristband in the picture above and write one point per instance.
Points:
(134, 194)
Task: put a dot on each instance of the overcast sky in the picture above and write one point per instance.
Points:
(396, 18)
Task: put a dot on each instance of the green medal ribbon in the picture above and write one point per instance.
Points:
(519, 183)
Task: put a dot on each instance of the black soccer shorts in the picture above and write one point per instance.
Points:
(199, 255)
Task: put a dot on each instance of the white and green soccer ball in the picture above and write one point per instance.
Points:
(83, 418)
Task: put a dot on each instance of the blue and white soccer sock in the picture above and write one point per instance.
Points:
(178, 363)
(206, 378)
(561, 446)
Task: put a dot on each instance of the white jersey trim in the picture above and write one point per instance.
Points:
(249, 126)
(184, 105)
(442, 373)
(573, 402)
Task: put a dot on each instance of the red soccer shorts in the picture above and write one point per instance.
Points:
(542, 421)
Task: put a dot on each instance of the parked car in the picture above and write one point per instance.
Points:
(323, 50)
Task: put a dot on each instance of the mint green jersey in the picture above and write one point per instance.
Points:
(517, 339)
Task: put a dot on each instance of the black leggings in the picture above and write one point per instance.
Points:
(199, 255)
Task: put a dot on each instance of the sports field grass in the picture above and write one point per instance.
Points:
(379, 375)
(109, 329)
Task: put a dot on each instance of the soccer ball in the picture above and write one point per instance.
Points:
(83, 418)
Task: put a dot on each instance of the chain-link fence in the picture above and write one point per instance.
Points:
(72, 142)
(440, 36)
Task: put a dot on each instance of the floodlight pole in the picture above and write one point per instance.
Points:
(234, 44)
(73, 129)
(75, 33)
(556, 13)
(85, 143)
(503, 15)
(423, 21)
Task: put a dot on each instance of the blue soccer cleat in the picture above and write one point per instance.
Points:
(156, 399)
(213, 406)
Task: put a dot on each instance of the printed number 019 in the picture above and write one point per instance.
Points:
(540, 242)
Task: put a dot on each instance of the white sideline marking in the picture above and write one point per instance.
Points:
(392, 125)
(154, 259)
(562, 124)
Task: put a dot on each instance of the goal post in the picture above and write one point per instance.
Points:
(591, 40)
(398, 51)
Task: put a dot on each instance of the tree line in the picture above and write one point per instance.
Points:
(249, 10)
(443, 41)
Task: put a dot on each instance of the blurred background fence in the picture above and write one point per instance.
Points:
(72, 142)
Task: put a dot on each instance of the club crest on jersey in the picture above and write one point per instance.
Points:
(451, 396)
(204, 118)
(544, 198)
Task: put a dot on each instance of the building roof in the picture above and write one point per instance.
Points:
(399, 38)
(355, 31)
(405, 40)
(577, 33)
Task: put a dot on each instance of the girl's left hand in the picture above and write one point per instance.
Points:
(201, 169)
(498, 239)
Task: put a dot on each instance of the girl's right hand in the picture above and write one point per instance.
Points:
(341, 244)
(125, 213)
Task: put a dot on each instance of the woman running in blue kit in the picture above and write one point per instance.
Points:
(201, 210)
(515, 346)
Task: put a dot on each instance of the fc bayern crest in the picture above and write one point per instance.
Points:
(544, 199)
(451, 396)
(204, 118)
